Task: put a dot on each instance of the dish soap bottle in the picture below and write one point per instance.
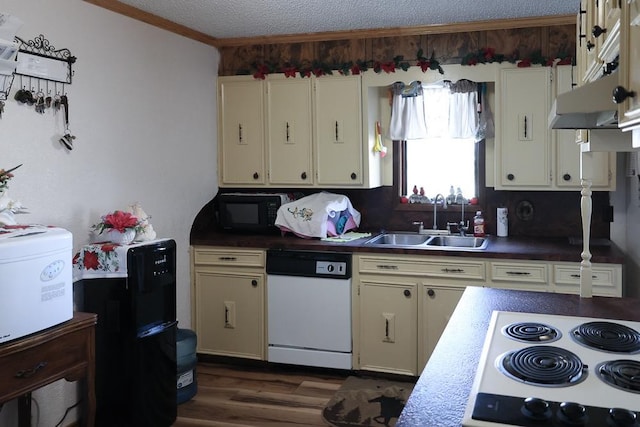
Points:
(478, 225)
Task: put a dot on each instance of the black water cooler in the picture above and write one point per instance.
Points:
(136, 339)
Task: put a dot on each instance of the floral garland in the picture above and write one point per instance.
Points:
(487, 55)
(482, 56)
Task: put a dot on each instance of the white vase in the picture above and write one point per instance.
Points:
(121, 237)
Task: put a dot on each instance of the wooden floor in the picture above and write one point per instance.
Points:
(235, 396)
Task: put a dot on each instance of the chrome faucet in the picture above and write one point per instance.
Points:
(435, 204)
(462, 227)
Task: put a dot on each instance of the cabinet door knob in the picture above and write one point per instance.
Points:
(407, 293)
(256, 175)
(510, 177)
(303, 175)
(620, 94)
(254, 283)
(431, 292)
(353, 175)
(598, 31)
(566, 177)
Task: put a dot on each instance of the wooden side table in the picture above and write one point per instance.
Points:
(64, 351)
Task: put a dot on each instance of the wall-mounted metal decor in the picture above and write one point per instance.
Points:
(5, 87)
(39, 59)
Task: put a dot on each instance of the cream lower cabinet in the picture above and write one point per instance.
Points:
(520, 275)
(606, 279)
(403, 307)
(229, 302)
(438, 303)
(389, 325)
(560, 277)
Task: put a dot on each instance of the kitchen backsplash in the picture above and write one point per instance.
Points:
(554, 213)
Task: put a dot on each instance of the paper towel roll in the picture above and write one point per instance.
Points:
(502, 228)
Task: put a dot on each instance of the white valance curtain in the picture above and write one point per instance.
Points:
(445, 109)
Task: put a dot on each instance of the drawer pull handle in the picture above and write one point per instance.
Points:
(26, 373)
(387, 267)
(519, 273)
(227, 258)
(577, 276)
(452, 270)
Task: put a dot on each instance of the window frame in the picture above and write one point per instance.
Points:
(401, 189)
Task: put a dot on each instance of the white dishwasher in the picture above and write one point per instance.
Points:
(309, 308)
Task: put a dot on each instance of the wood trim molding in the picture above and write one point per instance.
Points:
(156, 21)
(140, 15)
(402, 31)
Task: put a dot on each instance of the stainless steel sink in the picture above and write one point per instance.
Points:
(426, 241)
(455, 242)
(399, 239)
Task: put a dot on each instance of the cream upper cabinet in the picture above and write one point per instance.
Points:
(628, 92)
(523, 158)
(241, 156)
(338, 131)
(588, 45)
(289, 131)
(598, 28)
(530, 156)
(293, 132)
(567, 151)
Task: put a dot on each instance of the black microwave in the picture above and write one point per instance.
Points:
(254, 212)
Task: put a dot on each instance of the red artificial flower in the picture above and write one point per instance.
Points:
(424, 65)
(524, 63)
(261, 73)
(318, 72)
(119, 220)
(75, 258)
(565, 61)
(289, 71)
(91, 261)
(355, 69)
(488, 53)
(388, 67)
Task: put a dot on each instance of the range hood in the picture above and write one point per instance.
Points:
(589, 106)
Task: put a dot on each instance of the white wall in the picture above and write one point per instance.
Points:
(143, 109)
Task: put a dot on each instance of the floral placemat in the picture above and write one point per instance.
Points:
(103, 260)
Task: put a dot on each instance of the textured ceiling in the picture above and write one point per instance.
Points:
(252, 18)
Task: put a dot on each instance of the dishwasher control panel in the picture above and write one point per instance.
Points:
(283, 262)
(331, 268)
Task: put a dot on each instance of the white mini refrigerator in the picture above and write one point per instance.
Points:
(36, 290)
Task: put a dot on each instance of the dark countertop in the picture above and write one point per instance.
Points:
(526, 248)
(441, 393)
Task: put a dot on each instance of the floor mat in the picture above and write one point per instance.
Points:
(367, 402)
